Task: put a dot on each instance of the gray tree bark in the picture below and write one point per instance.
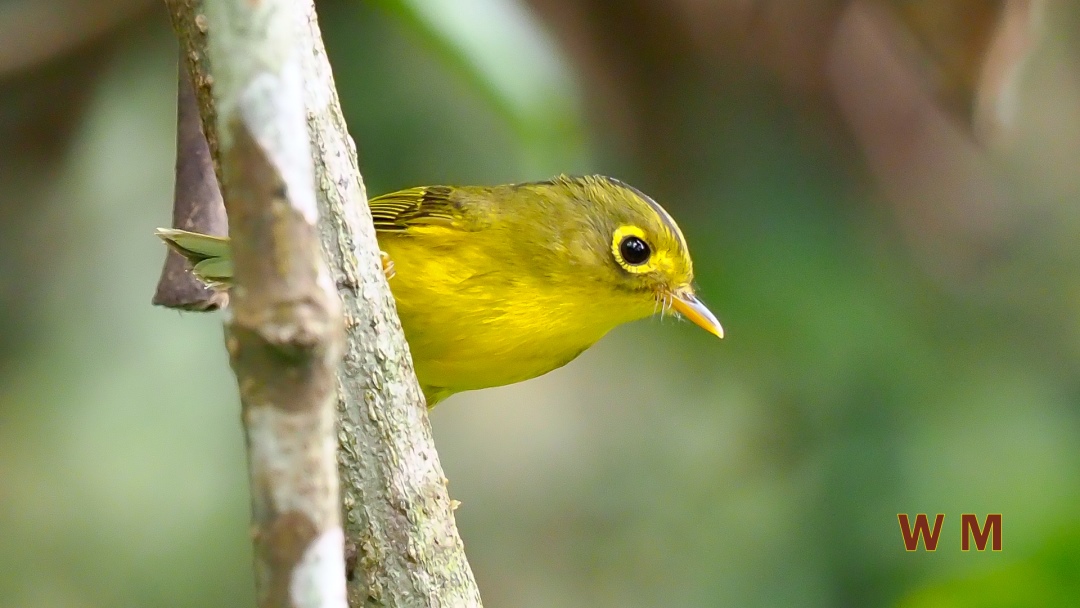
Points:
(285, 334)
(402, 544)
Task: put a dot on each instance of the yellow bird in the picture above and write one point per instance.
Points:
(495, 285)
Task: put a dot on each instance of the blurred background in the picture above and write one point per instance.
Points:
(882, 202)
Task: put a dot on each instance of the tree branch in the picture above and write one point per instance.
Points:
(285, 335)
(404, 548)
(398, 512)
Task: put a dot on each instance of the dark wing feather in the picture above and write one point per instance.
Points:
(397, 211)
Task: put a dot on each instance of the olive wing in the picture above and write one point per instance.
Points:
(425, 206)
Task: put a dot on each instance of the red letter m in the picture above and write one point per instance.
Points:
(969, 526)
(922, 529)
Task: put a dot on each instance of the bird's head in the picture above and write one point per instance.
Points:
(638, 248)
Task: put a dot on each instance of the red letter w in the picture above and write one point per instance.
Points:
(969, 524)
(922, 529)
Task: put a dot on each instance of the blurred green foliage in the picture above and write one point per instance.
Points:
(662, 468)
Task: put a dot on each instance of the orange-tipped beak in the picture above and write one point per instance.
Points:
(686, 304)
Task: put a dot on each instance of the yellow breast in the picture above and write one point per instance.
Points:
(474, 321)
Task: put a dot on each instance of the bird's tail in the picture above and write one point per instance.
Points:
(210, 256)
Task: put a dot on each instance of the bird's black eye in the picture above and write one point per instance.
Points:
(634, 251)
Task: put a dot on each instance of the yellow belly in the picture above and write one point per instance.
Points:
(473, 321)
